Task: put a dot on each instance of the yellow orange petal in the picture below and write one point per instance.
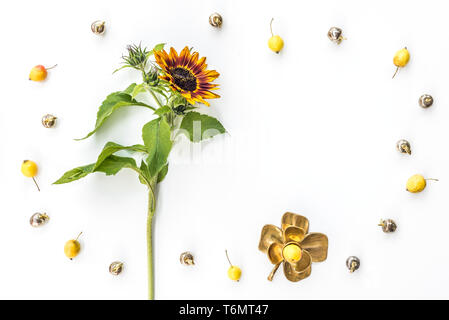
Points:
(193, 60)
(184, 56)
(173, 57)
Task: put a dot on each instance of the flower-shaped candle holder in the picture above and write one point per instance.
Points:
(293, 246)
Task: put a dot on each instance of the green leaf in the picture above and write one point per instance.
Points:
(122, 67)
(112, 147)
(110, 166)
(177, 99)
(145, 175)
(113, 164)
(159, 91)
(156, 137)
(162, 173)
(75, 174)
(156, 48)
(113, 102)
(198, 127)
(162, 110)
(130, 88)
(138, 89)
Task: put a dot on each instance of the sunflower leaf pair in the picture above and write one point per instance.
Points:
(292, 246)
(156, 136)
(110, 164)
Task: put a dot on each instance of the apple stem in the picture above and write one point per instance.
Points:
(52, 67)
(38, 189)
(226, 251)
(397, 69)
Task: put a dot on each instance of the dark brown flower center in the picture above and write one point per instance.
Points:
(184, 79)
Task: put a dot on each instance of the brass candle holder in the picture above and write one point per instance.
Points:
(293, 246)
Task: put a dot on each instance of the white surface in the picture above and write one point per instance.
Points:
(312, 131)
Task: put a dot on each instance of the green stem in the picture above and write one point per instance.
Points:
(150, 107)
(155, 98)
(151, 210)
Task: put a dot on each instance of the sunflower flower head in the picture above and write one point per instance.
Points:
(187, 74)
(151, 77)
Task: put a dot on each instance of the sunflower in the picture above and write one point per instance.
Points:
(188, 75)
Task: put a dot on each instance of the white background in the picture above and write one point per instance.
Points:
(311, 130)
